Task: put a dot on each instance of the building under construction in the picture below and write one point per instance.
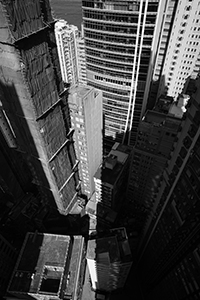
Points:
(35, 134)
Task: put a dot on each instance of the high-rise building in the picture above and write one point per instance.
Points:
(182, 53)
(71, 53)
(156, 135)
(167, 22)
(49, 266)
(137, 51)
(109, 260)
(34, 112)
(110, 178)
(85, 104)
(169, 248)
(178, 50)
(81, 59)
(121, 40)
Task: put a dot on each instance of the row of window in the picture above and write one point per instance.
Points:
(120, 6)
(113, 81)
(110, 17)
(116, 28)
(119, 49)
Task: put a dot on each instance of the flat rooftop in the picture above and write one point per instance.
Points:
(161, 119)
(112, 248)
(108, 175)
(38, 251)
(104, 249)
(42, 264)
(78, 93)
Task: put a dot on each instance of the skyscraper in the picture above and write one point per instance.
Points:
(71, 52)
(121, 40)
(156, 135)
(178, 50)
(34, 112)
(85, 104)
(169, 248)
(182, 53)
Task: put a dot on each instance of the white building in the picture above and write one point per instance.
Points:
(85, 105)
(183, 52)
(71, 52)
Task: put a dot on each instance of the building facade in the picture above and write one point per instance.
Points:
(109, 260)
(85, 104)
(182, 55)
(156, 135)
(110, 178)
(71, 52)
(35, 120)
(121, 40)
(165, 33)
(169, 248)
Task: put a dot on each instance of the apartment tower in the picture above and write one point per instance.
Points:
(85, 104)
(178, 56)
(71, 52)
(121, 40)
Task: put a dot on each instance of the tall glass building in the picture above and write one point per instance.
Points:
(121, 39)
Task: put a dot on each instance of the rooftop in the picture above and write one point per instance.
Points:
(113, 164)
(77, 93)
(97, 210)
(107, 247)
(160, 119)
(112, 248)
(42, 268)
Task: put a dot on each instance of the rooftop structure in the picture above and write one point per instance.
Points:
(49, 266)
(110, 178)
(163, 104)
(178, 108)
(109, 260)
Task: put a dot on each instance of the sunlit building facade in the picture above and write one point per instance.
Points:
(182, 54)
(71, 52)
(121, 39)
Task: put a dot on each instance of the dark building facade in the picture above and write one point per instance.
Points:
(37, 152)
(169, 250)
(156, 135)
